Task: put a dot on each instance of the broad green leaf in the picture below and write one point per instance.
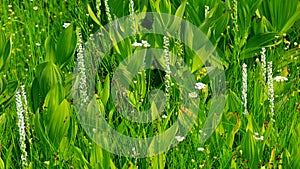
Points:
(179, 13)
(5, 49)
(65, 47)
(2, 84)
(54, 98)
(50, 76)
(41, 133)
(8, 93)
(5, 53)
(50, 47)
(290, 22)
(2, 166)
(59, 122)
(36, 96)
(106, 90)
(233, 102)
(255, 43)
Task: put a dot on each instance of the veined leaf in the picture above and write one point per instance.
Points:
(65, 46)
(59, 122)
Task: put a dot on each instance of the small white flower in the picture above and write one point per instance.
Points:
(200, 86)
(179, 138)
(193, 95)
(261, 138)
(65, 25)
(38, 44)
(295, 43)
(137, 44)
(280, 78)
(256, 133)
(145, 44)
(276, 36)
(164, 116)
(200, 149)
(35, 8)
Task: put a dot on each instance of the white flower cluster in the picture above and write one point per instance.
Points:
(280, 79)
(21, 125)
(27, 119)
(81, 72)
(263, 63)
(270, 88)
(244, 87)
(167, 61)
(144, 43)
(107, 10)
(198, 86)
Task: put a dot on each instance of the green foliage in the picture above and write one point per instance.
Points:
(38, 52)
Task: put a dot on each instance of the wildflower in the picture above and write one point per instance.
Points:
(179, 138)
(270, 88)
(206, 9)
(263, 63)
(27, 119)
(261, 138)
(164, 116)
(295, 43)
(35, 8)
(81, 72)
(244, 87)
(200, 86)
(65, 25)
(200, 149)
(107, 10)
(167, 61)
(137, 44)
(280, 78)
(21, 125)
(145, 44)
(38, 44)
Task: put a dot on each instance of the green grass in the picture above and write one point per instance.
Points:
(38, 52)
